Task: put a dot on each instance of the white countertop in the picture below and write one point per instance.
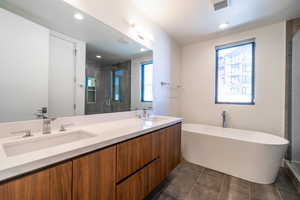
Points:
(106, 134)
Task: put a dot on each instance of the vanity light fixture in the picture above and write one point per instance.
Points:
(98, 56)
(139, 32)
(224, 25)
(78, 16)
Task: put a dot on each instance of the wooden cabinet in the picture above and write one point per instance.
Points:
(139, 185)
(175, 145)
(129, 170)
(94, 175)
(136, 153)
(167, 148)
(170, 149)
(31, 187)
(50, 184)
(61, 181)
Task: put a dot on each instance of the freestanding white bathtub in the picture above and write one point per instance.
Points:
(250, 155)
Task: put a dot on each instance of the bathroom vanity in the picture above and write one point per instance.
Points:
(125, 167)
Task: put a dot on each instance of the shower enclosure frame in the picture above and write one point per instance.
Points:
(292, 27)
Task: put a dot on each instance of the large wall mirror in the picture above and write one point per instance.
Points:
(56, 57)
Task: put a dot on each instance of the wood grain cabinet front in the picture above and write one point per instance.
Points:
(31, 187)
(139, 185)
(94, 175)
(136, 153)
(61, 181)
(167, 151)
(170, 149)
(54, 183)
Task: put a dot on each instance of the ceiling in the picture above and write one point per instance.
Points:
(57, 15)
(188, 21)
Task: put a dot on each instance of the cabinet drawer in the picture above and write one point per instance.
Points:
(132, 155)
(139, 185)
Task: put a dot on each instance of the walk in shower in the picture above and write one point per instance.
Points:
(293, 92)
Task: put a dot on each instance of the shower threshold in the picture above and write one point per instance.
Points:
(294, 169)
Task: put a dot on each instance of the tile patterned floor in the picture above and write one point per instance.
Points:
(192, 182)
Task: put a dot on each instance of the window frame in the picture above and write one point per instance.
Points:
(236, 44)
(114, 86)
(142, 80)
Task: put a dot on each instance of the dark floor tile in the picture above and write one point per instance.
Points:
(235, 189)
(192, 182)
(181, 186)
(283, 182)
(184, 178)
(288, 196)
(166, 196)
(293, 178)
(264, 192)
(185, 166)
(208, 186)
(155, 194)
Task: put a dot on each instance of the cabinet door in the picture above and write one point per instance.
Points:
(164, 153)
(140, 184)
(31, 187)
(94, 175)
(170, 149)
(176, 147)
(61, 181)
(134, 154)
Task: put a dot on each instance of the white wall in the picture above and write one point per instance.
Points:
(136, 62)
(24, 60)
(166, 55)
(198, 79)
(296, 98)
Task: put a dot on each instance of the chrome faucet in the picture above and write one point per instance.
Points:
(42, 114)
(47, 125)
(223, 115)
(144, 115)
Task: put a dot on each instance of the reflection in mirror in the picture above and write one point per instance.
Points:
(55, 57)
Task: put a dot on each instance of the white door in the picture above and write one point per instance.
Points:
(61, 77)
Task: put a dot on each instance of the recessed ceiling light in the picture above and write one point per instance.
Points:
(142, 49)
(98, 56)
(224, 25)
(78, 16)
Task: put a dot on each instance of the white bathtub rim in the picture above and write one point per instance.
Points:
(273, 139)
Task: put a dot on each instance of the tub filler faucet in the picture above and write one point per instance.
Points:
(223, 115)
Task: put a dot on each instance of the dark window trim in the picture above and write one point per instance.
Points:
(142, 80)
(253, 73)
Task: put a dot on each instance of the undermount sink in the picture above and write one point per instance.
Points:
(155, 119)
(35, 144)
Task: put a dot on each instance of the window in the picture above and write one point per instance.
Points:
(146, 83)
(235, 73)
(117, 74)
